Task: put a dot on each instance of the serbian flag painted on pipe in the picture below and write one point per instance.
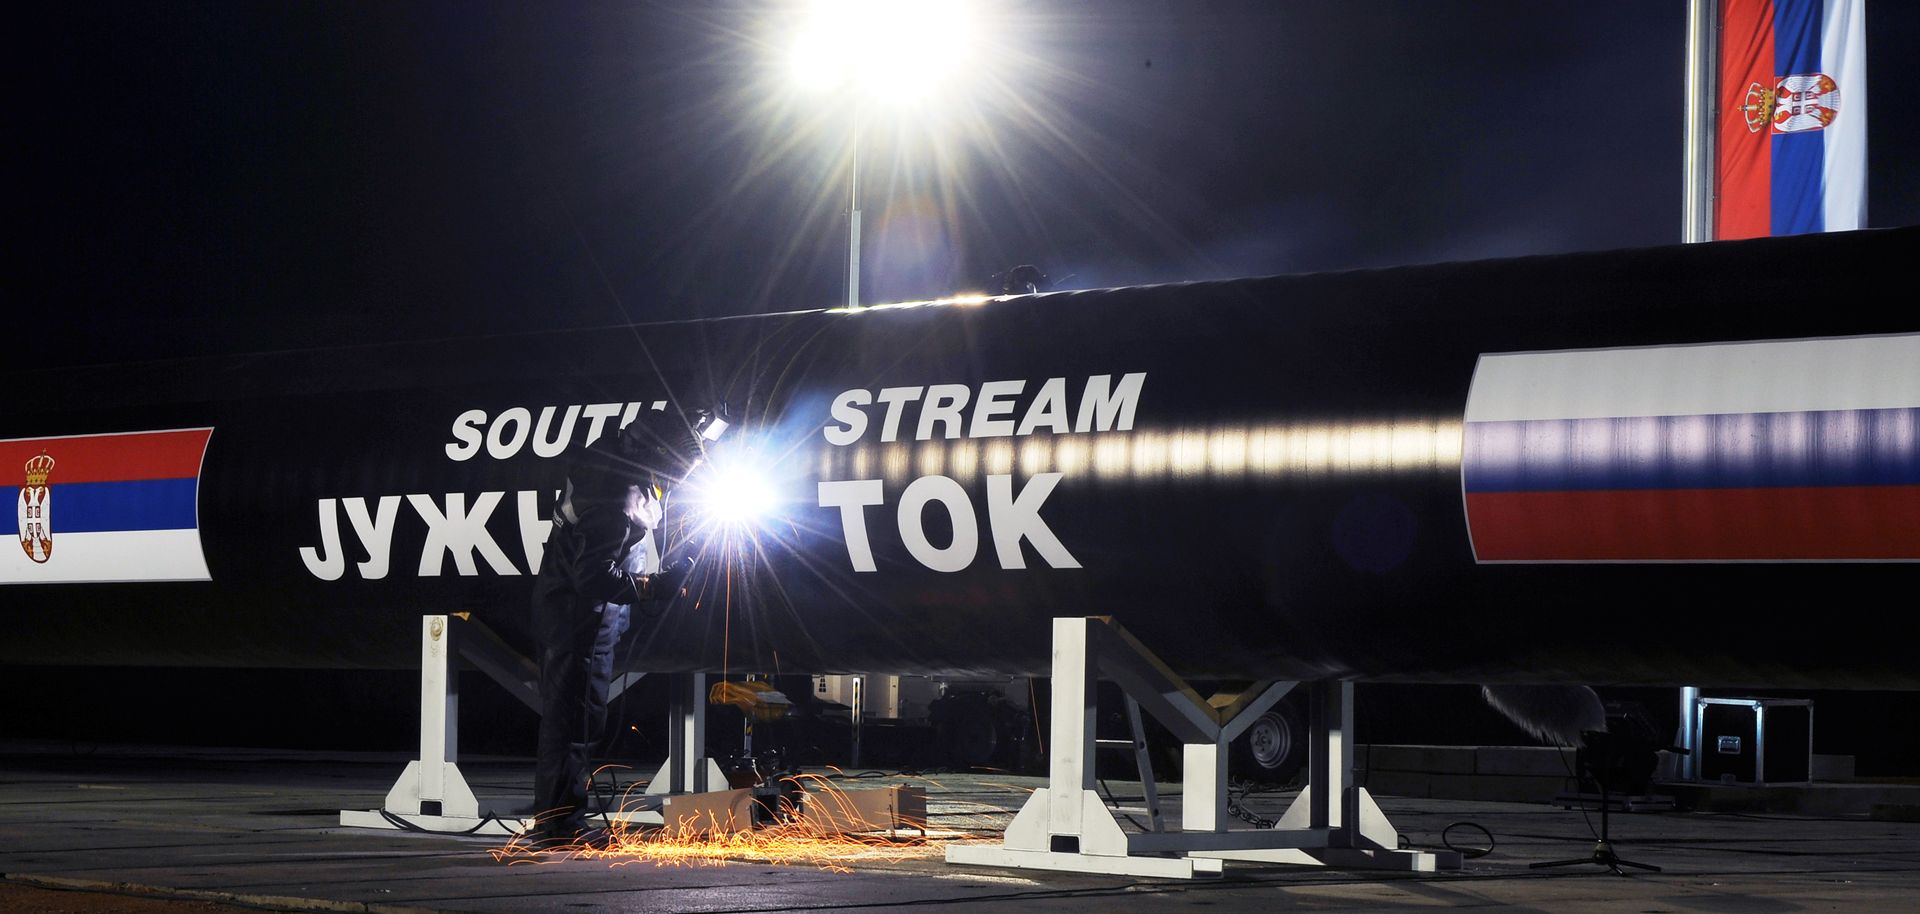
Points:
(1792, 102)
(1779, 451)
(119, 507)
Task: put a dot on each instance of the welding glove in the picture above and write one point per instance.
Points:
(667, 583)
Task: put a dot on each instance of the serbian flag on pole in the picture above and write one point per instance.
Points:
(119, 507)
(1792, 100)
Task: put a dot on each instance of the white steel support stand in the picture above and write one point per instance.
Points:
(1689, 762)
(1066, 826)
(689, 787)
(687, 768)
(858, 712)
(1359, 835)
(431, 793)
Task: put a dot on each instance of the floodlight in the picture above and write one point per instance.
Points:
(891, 50)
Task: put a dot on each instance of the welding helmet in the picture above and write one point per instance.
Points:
(665, 450)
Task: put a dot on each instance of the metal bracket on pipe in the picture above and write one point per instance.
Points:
(516, 672)
(490, 654)
(1066, 826)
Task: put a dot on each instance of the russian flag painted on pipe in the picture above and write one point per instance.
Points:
(1791, 147)
(1778, 451)
(118, 507)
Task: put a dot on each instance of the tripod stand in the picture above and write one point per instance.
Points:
(1606, 759)
(1603, 854)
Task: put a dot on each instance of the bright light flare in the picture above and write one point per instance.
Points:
(894, 50)
(735, 492)
(739, 495)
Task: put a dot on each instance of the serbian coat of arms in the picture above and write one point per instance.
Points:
(1794, 104)
(34, 510)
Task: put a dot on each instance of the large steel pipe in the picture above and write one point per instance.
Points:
(1582, 468)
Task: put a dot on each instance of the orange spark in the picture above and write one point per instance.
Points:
(826, 829)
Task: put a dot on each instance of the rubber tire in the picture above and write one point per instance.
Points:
(1274, 748)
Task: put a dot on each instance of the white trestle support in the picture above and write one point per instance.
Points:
(687, 769)
(1066, 826)
(432, 794)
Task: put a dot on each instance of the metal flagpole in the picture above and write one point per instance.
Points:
(1703, 45)
(1703, 40)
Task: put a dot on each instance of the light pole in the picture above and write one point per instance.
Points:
(853, 217)
(896, 52)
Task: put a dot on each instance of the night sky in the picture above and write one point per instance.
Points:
(217, 177)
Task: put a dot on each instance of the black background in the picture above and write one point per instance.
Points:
(238, 177)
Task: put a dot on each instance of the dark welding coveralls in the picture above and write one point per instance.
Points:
(594, 569)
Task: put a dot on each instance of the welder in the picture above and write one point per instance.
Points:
(602, 560)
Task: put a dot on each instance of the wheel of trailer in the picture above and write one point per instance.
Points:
(1274, 748)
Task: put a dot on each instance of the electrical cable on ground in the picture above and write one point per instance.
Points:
(607, 793)
(869, 773)
(1474, 853)
(1446, 841)
(1115, 804)
(1470, 853)
(404, 825)
(1575, 778)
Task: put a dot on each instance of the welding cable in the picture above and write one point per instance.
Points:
(1574, 777)
(613, 732)
(606, 792)
(1115, 804)
(1469, 853)
(404, 825)
(1859, 817)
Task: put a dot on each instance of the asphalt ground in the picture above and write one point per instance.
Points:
(89, 829)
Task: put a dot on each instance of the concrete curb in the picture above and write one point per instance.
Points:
(267, 902)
